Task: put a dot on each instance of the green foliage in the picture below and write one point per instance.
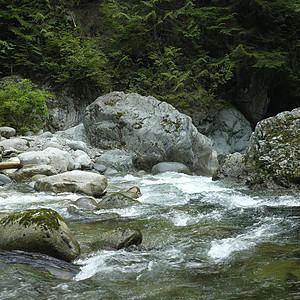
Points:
(190, 53)
(22, 105)
(187, 52)
(37, 39)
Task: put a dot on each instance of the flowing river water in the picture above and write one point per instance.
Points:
(201, 240)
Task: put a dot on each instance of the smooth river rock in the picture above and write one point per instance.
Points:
(61, 160)
(117, 239)
(38, 230)
(76, 181)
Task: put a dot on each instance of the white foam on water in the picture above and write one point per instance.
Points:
(93, 265)
(183, 218)
(114, 263)
(223, 249)
(17, 201)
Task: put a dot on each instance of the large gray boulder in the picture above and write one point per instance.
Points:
(61, 160)
(273, 155)
(76, 181)
(38, 230)
(228, 128)
(117, 159)
(153, 130)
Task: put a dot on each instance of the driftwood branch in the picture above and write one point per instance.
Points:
(10, 165)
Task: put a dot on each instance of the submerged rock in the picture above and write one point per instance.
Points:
(151, 130)
(88, 183)
(4, 179)
(38, 230)
(117, 239)
(87, 203)
(273, 156)
(134, 192)
(116, 200)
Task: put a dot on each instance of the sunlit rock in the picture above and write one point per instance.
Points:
(150, 130)
(76, 181)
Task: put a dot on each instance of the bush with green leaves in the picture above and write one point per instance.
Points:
(22, 105)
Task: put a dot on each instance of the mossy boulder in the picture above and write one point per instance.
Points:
(117, 239)
(231, 168)
(38, 230)
(272, 158)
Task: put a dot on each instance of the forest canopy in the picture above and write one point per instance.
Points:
(193, 54)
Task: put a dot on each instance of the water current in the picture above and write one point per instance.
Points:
(201, 240)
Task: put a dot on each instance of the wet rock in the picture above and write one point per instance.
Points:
(87, 203)
(134, 192)
(232, 167)
(149, 130)
(170, 167)
(76, 181)
(116, 200)
(38, 230)
(117, 239)
(7, 132)
(4, 179)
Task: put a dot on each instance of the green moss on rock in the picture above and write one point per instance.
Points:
(46, 218)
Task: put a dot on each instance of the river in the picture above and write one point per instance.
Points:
(201, 240)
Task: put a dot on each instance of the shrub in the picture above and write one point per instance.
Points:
(22, 105)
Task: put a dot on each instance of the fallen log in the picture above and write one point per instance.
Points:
(10, 165)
